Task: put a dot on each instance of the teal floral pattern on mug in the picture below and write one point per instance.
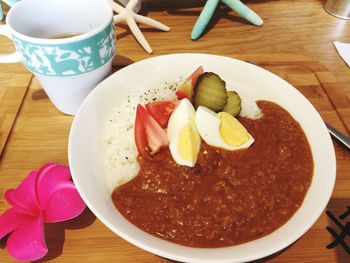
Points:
(70, 59)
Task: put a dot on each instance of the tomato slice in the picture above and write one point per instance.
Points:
(150, 138)
(187, 88)
(161, 110)
(140, 133)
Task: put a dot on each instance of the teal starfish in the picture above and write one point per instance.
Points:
(8, 2)
(209, 9)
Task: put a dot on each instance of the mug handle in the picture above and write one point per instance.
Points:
(11, 57)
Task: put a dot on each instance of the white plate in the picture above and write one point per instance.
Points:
(87, 165)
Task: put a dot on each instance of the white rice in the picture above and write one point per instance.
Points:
(249, 107)
(118, 135)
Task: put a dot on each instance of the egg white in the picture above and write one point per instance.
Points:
(180, 118)
(183, 115)
(208, 126)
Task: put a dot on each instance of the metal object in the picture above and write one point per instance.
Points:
(338, 8)
(340, 137)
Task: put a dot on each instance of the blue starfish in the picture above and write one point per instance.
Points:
(8, 2)
(209, 9)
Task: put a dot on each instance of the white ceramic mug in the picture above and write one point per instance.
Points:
(68, 68)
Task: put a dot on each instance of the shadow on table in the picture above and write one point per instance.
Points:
(221, 12)
(55, 233)
(166, 5)
(179, 8)
(125, 31)
(3, 242)
(120, 62)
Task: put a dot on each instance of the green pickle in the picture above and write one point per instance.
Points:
(233, 105)
(210, 91)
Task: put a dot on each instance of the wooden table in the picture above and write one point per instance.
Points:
(295, 43)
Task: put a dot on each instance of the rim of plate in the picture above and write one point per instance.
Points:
(186, 258)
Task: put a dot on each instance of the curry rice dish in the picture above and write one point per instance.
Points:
(227, 198)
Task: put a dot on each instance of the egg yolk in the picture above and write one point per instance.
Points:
(231, 130)
(189, 143)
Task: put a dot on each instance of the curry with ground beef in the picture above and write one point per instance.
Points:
(228, 198)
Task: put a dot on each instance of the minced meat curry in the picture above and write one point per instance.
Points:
(229, 197)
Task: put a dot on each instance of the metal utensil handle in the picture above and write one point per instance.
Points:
(341, 137)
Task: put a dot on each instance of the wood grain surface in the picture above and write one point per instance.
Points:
(295, 43)
(40, 135)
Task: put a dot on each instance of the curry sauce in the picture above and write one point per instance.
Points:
(229, 197)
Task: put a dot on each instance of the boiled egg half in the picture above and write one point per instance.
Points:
(222, 130)
(183, 136)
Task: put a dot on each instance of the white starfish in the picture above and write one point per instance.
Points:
(130, 17)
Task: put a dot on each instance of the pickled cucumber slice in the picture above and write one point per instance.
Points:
(233, 105)
(210, 91)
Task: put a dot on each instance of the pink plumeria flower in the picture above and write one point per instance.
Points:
(45, 196)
